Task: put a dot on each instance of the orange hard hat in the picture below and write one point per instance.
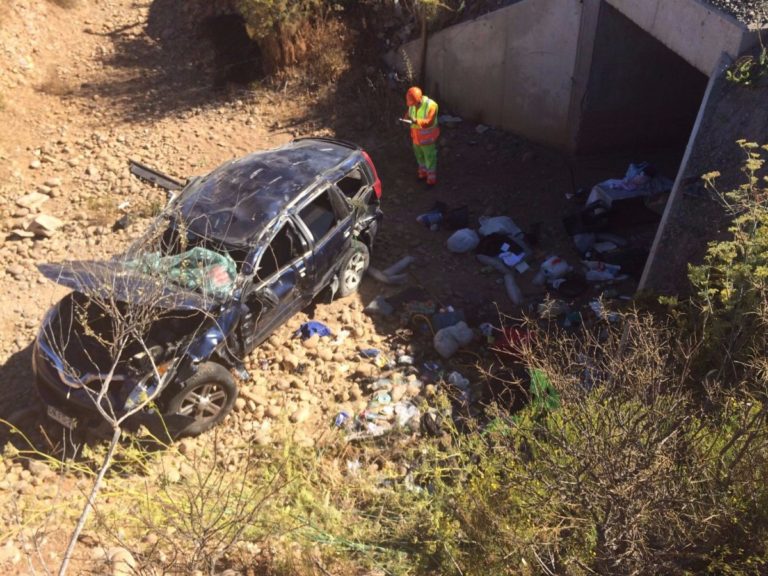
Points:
(413, 96)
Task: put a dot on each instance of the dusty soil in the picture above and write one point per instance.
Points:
(86, 86)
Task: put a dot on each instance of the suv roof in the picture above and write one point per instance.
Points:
(235, 201)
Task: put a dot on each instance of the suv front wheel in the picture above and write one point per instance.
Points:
(353, 268)
(207, 397)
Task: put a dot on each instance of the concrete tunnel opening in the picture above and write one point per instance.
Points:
(237, 58)
(640, 94)
(640, 104)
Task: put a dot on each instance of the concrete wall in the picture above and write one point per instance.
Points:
(511, 68)
(638, 93)
(696, 31)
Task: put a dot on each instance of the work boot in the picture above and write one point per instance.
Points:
(422, 174)
(431, 179)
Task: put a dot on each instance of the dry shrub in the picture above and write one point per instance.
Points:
(327, 56)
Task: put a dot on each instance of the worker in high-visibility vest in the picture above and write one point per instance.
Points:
(422, 112)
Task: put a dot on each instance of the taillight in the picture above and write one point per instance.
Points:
(376, 180)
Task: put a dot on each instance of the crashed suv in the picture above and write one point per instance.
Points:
(157, 332)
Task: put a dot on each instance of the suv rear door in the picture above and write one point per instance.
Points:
(327, 220)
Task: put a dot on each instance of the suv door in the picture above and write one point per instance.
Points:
(280, 285)
(355, 182)
(327, 220)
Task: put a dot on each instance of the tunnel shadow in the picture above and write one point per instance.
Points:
(181, 58)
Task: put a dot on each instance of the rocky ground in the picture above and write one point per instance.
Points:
(120, 79)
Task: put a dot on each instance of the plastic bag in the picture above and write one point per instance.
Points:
(463, 240)
(498, 224)
(448, 340)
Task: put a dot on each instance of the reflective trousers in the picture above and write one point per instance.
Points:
(426, 157)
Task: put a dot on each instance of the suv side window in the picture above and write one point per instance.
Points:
(284, 248)
(319, 216)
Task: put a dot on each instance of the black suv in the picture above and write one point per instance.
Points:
(155, 333)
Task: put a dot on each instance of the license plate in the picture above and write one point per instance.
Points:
(61, 418)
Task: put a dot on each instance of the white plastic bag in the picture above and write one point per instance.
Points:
(448, 340)
(500, 224)
(463, 240)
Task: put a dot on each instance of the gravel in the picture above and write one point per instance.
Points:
(747, 11)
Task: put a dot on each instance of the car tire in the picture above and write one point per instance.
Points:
(353, 268)
(207, 396)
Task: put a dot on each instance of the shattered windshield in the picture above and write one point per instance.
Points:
(198, 269)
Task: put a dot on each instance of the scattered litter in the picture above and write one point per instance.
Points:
(431, 423)
(381, 384)
(481, 128)
(457, 380)
(463, 240)
(448, 340)
(341, 420)
(493, 262)
(511, 259)
(486, 329)
(600, 311)
(340, 338)
(512, 340)
(431, 219)
(552, 268)
(571, 285)
(544, 396)
(379, 305)
(395, 273)
(498, 225)
(572, 319)
(405, 360)
(432, 366)
(370, 352)
(513, 290)
(522, 267)
(447, 317)
(400, 266)
(354, 466)
(602, 272)
(640, 180)
(550, 309)
(406, 414)
(448, 120)
(311, 328)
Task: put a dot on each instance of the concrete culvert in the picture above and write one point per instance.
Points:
(237, 57)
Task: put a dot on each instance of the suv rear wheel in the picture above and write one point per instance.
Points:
(207, 397)
(353, 268)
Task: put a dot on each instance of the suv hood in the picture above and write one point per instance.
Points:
(114, 279)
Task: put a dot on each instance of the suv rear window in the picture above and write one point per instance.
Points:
(351, 184)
